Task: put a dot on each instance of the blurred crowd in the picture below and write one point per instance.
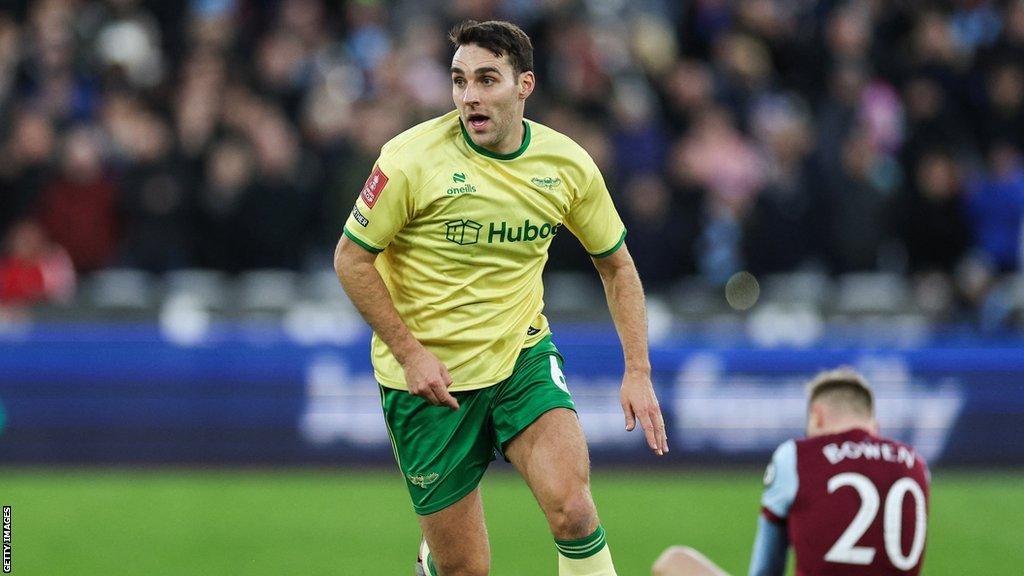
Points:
(762, 135)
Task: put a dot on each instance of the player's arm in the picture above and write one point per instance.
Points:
(625, 297)
(425, 375)
(384, 207)
(772, 541)
(770, 547)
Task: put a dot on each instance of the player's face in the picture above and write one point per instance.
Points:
(490, 98)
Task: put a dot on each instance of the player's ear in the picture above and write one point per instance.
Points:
(527, 82)
(815, 419)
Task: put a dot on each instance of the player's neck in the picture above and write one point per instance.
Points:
(846, 426)
(513, 140)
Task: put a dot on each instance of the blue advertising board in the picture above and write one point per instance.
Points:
(251, 393)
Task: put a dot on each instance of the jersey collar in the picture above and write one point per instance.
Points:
(485, 152)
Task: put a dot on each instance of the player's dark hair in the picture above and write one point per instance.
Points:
(500, 37)
(843, 387)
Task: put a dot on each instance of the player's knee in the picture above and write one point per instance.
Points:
(669, 562)
(464, 565)
(574, 517)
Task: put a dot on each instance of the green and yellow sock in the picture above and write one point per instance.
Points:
(587, 556)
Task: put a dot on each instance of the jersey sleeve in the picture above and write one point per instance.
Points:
(383, 208)
(781, 483)
(770, 547)
(593, 219)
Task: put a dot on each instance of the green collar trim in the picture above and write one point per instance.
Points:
(485, 152)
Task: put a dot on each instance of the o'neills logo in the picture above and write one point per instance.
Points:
(461, 190)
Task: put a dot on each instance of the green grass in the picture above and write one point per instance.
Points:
(171, 522)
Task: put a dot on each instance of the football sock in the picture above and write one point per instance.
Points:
(585, 557)
(427, 568)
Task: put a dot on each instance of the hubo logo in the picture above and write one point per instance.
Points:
(460, 178)
(468, 232)
(546, 182)
(462, 231)
(505, 232)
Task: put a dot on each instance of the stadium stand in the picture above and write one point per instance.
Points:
(857, 158)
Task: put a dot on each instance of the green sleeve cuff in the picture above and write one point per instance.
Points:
(612, 250)
(369, 247)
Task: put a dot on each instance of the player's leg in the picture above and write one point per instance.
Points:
(685, 561)
(536, 428)
(443, 454)
(551, 454)
(457, 538)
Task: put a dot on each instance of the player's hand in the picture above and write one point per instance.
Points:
(640, 403)
(427, 377)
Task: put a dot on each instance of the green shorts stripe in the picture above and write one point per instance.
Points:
(443, 453)
(391, 435)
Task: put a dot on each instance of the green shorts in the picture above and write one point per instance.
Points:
(443, 453)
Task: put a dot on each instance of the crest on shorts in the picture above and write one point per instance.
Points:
(422, 480)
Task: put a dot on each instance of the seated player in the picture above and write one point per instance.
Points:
(848, 501)
(685, 561)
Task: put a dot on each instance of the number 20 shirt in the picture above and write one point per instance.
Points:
(852, 504)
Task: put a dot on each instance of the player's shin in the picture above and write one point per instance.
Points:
(587, 556)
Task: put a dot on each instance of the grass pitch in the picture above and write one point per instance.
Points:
(226, 522)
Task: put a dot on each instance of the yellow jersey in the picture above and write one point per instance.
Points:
(463, 235)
